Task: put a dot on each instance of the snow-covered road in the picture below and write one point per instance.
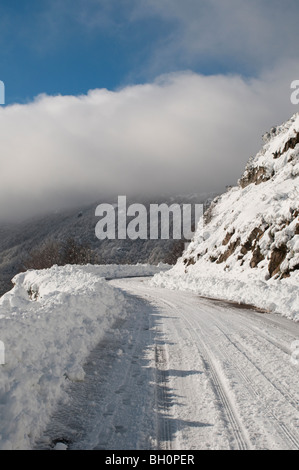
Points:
(184, 373)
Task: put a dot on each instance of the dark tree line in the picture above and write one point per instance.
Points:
(61, 253)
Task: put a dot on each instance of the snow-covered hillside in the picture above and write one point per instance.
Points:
(248, 249)
(49, 322)
(19, 240)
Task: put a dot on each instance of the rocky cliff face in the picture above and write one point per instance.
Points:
(254, 226)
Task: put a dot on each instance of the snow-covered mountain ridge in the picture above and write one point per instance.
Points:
(248, 249)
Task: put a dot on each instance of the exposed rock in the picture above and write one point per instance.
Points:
(255, 175)
(295, 267)
(208, 214)
(227, 237)
(277, 257)
(229, 251)
(256, 234)
(257, 257)
(290, 144)
(189, 261)
(276, 154)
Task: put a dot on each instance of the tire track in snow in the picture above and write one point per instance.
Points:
(164, 431)
(260, 335)
(253, 375)
(284, 392)
(257, 392)
(222, 394)
(255, 388)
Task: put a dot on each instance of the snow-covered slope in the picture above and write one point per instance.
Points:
(248, 249)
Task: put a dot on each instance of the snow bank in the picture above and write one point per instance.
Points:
(49, 322)
(277, 296)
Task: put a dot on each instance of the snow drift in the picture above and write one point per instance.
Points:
(248, 250)
(49, 322)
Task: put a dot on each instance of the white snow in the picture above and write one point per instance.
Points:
(242, 287)
(49, 322)
(270, 206)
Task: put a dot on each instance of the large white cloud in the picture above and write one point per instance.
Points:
(182, 133)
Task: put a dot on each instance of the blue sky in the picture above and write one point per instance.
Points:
(72, 46)
(137, 96)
